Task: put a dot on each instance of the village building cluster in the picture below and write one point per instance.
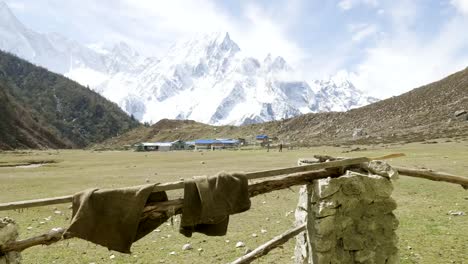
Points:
(202, 144)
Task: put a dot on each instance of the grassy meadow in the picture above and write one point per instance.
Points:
(427, 233)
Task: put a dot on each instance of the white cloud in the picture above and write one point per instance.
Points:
(461, 6)
(362, 31)
(349, 4)
(256, 31)
(403, 61)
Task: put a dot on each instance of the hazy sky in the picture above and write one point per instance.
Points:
(386, 46)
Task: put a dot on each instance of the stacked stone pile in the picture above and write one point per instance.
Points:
(9, 233)
(350, 218)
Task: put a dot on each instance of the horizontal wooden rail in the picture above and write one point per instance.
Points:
(180, 184)
(268, 246)
(173, 207)
(434, 176)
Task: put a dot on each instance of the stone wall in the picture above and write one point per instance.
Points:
(349, 219)
(8, 233)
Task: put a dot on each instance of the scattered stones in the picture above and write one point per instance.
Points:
(263, 231)
(29, 228)
(202, 162)
(359, 132)
(48, 218)
(187, 247)
(354, 149)
(264, 202)
(456, 213)
(254, 235)
(157, 230)
(147, 180)
(112, 256)
(227, 241)
(199, 249)
(57, 212)
(172, 253)
(240, 244)
(42, 222)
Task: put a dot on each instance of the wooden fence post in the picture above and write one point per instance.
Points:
(349, 219)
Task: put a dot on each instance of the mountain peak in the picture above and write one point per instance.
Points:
(123, 49)
(7, 18)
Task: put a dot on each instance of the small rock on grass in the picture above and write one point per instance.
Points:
(172, 253)
(187, 247)
(263, 231)
(240, 244)
(456, 213)
(112, 256)
(254, 235)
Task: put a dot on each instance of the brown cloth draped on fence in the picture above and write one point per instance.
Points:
(111, 218)
(208, 202)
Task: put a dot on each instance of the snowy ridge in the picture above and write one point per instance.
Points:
(206, 78)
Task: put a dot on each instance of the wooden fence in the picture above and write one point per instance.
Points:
(267, 181)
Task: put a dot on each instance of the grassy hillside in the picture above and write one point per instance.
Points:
(424, 113)
(44, 109)
(19, 129)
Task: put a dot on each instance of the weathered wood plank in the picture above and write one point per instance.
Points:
(173, 207)
(180, 184)
(268, 246)
(434, 176)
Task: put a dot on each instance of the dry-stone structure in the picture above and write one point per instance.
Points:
(349, 218)
(8, 233)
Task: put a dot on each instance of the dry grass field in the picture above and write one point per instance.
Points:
(427, 233)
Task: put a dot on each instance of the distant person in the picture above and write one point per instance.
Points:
(268, 147)
(281, 147)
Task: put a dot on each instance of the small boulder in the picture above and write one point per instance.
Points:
(456, 213)
(187, 247)
(240, 244)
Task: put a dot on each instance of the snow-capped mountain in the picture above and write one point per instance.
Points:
(206, 78)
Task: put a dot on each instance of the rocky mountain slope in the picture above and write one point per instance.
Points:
(436, 110)
(41, 109)
(206, 78)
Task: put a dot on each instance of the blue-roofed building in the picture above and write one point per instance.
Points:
(262, 139)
